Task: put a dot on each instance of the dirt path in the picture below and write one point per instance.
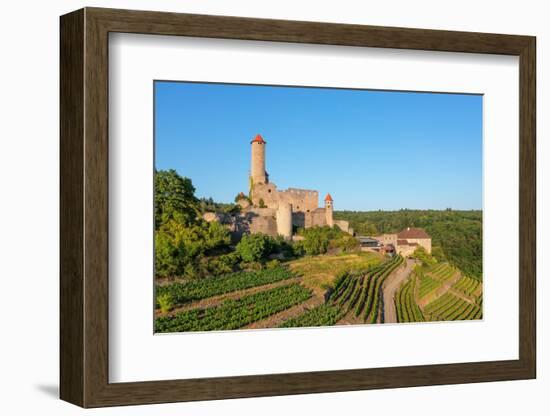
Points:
(216, 300)
(390, 287)
(274, 321)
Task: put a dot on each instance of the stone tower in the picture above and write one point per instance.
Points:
(284, 220)
(257, 169)
(328, 210)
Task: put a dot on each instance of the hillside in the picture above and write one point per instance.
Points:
(456, 235)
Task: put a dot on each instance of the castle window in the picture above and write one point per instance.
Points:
(269, 190)
(297, 207)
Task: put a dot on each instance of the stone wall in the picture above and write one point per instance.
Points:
(264, 225)
(267, 192)
(302, 200)
(343, 225)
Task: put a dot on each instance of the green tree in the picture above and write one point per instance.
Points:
(254, 247)
(174, 198)
(180, 249)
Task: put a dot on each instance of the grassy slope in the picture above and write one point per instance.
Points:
(319, 272)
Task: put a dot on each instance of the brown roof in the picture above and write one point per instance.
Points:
(402, 242)
(328, 198)
(258, 139)
(411, 232)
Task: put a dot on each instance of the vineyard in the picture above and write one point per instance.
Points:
(303, 294)
(357, 293)
(405, 304)
(234, 314)
(439, 293)
(441, 272)
(469, 286)
(182, 293)
(323, 315)
(427, 285)
(452, 308)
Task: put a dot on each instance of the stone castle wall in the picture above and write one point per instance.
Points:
(302, 200)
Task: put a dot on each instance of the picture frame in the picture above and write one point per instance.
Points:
(84, 216)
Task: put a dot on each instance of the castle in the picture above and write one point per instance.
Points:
(276, 212)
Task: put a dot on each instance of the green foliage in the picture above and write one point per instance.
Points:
(179, 248)
(233, 314)
(255, 247)
(185, 244)
(272, 264)
(165, 302)
(421, 254)
(250, 187)
(406, 307)
(458, 234)
(322, 315)
(174, 198)
(208, 205)
(319, 240)
(452, 308)
(204, 288)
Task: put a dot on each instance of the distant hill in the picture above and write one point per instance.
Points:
(456, 235)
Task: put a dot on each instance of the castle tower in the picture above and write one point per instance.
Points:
(257, 169)
(328, 210)
(284, 220)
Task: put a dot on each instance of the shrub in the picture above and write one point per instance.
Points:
(272, 264)
(165, 302)
(255, 247)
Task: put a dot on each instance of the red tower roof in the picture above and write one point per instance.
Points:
(328, 198)
(258, 139)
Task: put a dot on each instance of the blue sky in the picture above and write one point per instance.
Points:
(370, 149)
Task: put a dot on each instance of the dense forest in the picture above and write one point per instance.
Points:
(456, 235)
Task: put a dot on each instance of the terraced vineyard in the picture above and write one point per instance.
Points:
(441, 272)
(405, 303)
(469, 286)
(427, 285)
(439, 293)
(452, 308)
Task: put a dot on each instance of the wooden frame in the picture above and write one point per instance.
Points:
(84, 207)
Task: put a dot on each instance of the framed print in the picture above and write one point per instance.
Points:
(255, 207)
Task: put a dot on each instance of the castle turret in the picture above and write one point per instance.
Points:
(284, 220)
(257, 169)
(328, 210)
